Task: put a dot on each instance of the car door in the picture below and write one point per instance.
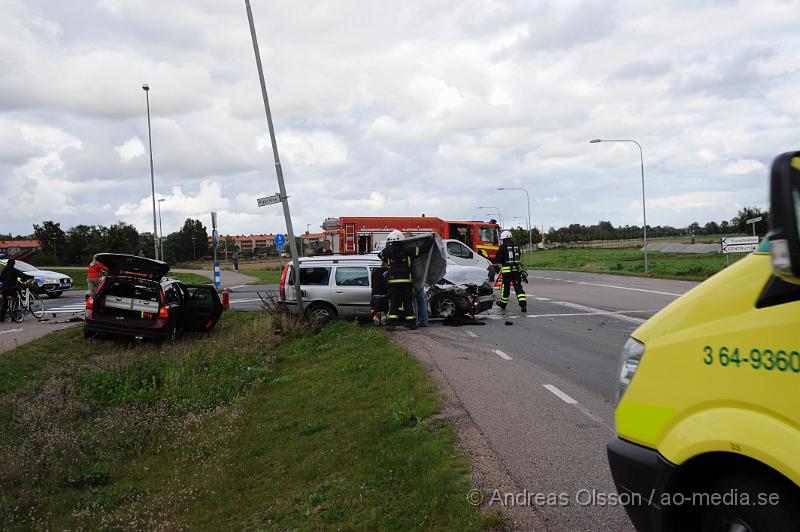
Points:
(351, 291)
(201, 308)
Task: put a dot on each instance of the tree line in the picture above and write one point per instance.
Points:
(605, 230)
(78, 244)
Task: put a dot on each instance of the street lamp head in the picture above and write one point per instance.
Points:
(594, 141)
(501, 188)
(146, 87)
(161, 199)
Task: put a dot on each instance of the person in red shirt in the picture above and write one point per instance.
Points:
(94, 274)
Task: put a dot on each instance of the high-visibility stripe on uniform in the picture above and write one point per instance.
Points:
(398, 281)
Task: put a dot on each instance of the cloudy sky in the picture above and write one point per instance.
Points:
(393, 108)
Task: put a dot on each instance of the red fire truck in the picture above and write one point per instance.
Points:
(360, 234)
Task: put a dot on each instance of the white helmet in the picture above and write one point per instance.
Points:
(505, 234)
(394, 236)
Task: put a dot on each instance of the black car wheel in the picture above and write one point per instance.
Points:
(738, 516)
(320, 313)
(53, 295)
(444, 307)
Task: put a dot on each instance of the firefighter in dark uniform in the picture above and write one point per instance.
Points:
(509, 260)
(401, 288)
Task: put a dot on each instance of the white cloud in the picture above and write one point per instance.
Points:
(313, 148)
(744, 166)
(130, 149)
(393, 108)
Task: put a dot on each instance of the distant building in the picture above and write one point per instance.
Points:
(249, 245)
(14, 248)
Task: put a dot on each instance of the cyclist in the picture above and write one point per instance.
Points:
(10, 277)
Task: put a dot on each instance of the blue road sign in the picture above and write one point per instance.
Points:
(280, 240)
(280, 248)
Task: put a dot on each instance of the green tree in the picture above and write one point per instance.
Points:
(747, 213)
(53, 241)
(120, 238)
(83, 241)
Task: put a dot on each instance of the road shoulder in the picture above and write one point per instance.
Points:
(487, 471)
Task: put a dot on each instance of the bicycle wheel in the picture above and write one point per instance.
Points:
(16, 309)
(36, 305)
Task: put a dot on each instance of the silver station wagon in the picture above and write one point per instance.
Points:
(339, 286)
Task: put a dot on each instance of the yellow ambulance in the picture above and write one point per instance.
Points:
(708, 420)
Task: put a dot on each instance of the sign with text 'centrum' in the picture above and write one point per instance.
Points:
(269, 200)
(739, 244)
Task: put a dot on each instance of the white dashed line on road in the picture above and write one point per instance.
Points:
(570, 401)
(10, 331)
(613, 314)
(542, 299)
(472, 334)
(611, 286)
(501, 354)
(561, 395)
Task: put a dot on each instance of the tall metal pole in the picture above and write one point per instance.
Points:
(160, 229)
(500, 216)
(644, 205)
(278, 170)
(530, 233)
(146, 88)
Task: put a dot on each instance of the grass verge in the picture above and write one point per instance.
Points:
(241, 428)
(264, 276)
(79, 277)
(686, 266)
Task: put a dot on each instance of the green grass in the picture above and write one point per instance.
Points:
(264, 276)
(240, 428)
(79, 277)
(627, 261)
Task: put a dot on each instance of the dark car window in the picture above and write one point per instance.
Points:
(352, 276)
(457, 249)
(172, 295)
(312, 276)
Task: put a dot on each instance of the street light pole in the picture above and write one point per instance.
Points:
(644, 207)
(146, 89)
(160, 229)
(498, 213)
(530, 233)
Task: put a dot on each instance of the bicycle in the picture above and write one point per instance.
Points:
(26, 300)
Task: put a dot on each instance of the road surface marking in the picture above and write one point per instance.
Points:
(237, 286)
(470, 333)
(613, 286)
(582, 409)
(232, 301)
(613, 314)
(542, 299)
(501, 354)
(10, 331)
(561, 395)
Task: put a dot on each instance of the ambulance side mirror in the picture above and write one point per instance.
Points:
(784, 237)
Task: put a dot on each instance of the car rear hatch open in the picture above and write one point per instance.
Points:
(128, 300)
(142, 267)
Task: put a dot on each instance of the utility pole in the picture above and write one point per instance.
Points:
(146, 89)
(278, 170)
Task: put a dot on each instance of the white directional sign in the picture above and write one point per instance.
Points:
(739, 244)
(754, 220)
(269, 200)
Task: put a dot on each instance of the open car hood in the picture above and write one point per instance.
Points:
(118, 263)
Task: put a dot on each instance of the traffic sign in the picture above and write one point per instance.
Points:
(754, 220)
(269, 200)
(739, 244)
(280, 240)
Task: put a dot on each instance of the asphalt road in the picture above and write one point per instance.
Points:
(542, 390)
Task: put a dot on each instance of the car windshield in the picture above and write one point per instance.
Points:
(22, 266)
(488, 234)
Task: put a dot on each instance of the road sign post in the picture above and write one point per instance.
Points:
(278, 169)
(754, 221)
(739, 244)
(215, 243)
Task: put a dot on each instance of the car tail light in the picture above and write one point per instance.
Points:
(163, 312)
(89, 303)
(282, 287)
